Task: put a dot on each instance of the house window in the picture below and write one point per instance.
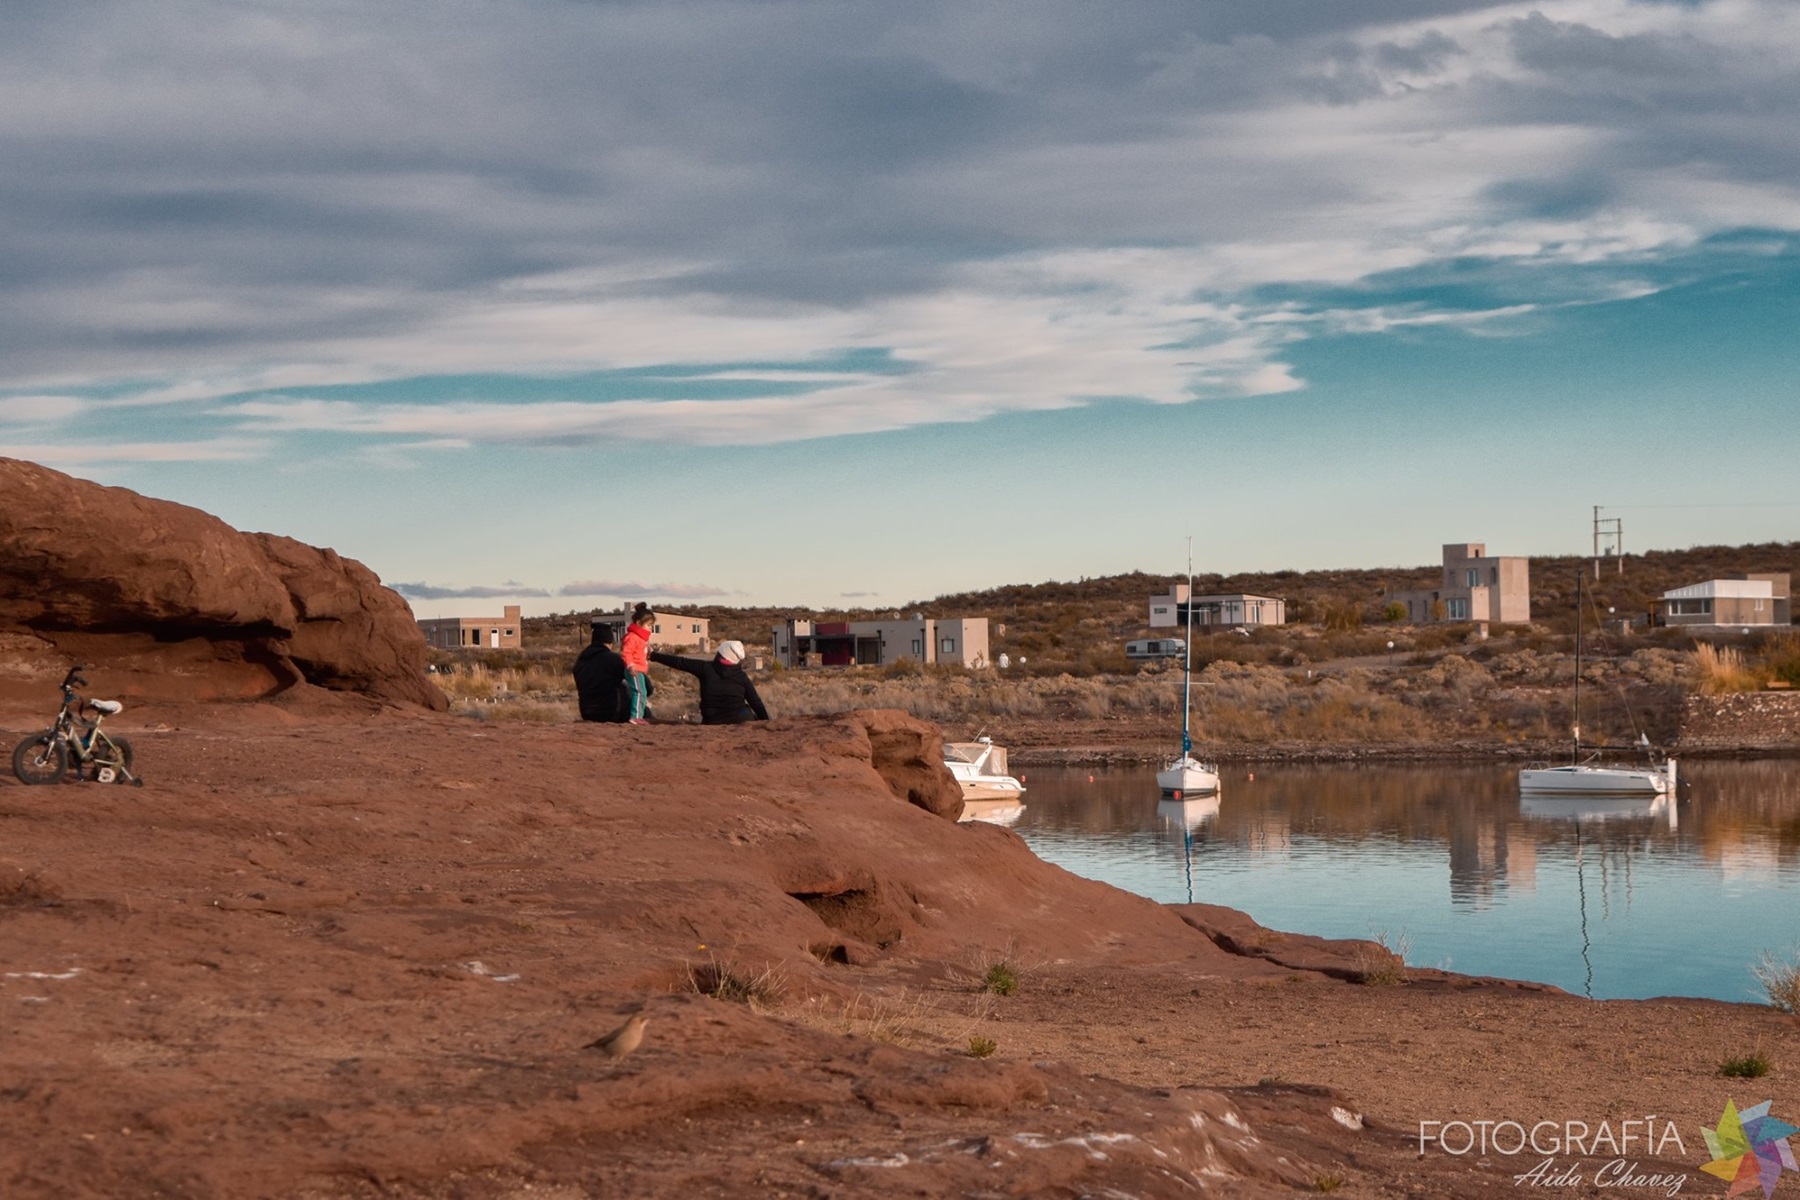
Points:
(507, 632)
(696, 629)
(918, 647)
(1474, 576)
(947, 646)
(1690, 608)
(1494, 575)
(1456, 608)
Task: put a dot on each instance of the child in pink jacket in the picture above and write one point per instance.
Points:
(636, 653)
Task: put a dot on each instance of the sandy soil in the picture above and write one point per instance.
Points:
(356, 956)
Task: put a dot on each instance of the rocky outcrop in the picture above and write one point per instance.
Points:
(909, 755)
(168, 602)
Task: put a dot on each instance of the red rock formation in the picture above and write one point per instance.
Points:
(168, 602)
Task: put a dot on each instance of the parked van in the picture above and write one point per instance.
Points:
(1153, 648)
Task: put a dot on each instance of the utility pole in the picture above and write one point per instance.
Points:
(1612, 528)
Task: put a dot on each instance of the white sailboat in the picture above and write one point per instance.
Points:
(1590, 777)
(1186, 775)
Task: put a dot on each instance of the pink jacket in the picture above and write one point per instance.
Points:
(636, 649)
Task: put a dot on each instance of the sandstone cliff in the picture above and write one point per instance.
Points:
(167, 602)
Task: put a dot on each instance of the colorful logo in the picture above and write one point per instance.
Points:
(1749, 1148)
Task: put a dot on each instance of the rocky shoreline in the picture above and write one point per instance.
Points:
(304, 961)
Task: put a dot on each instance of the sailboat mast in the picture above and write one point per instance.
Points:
(1187, 664)
(1576, 759)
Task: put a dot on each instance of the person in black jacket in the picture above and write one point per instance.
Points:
(600, 679)
(727, 697)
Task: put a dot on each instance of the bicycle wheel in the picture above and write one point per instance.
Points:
(40, 758)
(108, 751)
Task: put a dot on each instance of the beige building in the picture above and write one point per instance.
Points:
(1170, 610)
(961, 641)
(1740, 600)
(474, 633)
(1476, 586)
(668, 631)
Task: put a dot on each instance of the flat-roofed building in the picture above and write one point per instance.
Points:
(1477, 586)
(1740, 600)
(955, 641)
(1230, 611)
(474, 633)
(668, 630)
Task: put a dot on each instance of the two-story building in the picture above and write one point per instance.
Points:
(1476, 586)
(1734, 600)
(1230, 611)
(474, 633)
(960, 641)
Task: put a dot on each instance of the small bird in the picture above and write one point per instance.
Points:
(623, 1040)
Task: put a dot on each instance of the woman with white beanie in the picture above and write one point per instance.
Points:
(727, 697)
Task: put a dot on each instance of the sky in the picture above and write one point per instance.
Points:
(566, 303)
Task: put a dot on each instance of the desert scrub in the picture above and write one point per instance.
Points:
(1745, 1066)
(1721, 670)
(1780, 980)
(727, 981)
(982, 1047)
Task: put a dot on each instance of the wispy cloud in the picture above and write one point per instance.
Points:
(427, 591)
(1031, 212)
(632, 590)
(79, 454)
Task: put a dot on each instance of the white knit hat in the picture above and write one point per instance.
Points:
(731, 652)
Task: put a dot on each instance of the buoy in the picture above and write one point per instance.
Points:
(1251, 777)
(1090, 779)
(1177, 794)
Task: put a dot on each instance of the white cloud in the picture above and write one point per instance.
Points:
(77, 454)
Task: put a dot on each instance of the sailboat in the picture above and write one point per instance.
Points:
(1186, 775)
(1590, 778)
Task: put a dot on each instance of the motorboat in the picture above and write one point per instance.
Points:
(1186, 775)
(980, 770)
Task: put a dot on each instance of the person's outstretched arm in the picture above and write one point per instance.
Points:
(692, 666)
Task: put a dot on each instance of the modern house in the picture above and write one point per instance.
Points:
(1476, 586)
(961, 641)
(1735, 600)
(669, 631)
(472, 633)
(1238, 609)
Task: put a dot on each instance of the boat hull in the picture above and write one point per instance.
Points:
(1598, 781)
(1003, 787)
(1187, 777)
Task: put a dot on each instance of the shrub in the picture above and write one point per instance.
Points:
(1747, 1066)
(1000, 979)
(1394, 612)
(982, 1047)
(1780, 979)
(1722, 669)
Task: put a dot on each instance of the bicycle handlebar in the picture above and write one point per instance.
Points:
(74, 677)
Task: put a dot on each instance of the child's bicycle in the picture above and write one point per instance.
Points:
(76, 740)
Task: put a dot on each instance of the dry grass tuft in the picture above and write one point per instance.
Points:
(1722, 669)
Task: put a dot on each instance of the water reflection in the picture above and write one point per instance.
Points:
(993, 812)
(1616, 897)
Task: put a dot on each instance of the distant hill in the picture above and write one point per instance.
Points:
(1085, 622)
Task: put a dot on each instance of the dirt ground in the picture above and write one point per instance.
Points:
(329, 953)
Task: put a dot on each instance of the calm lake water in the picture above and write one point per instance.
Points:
(1601, 898)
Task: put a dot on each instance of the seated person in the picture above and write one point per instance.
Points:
(600, 679)
(727, 697)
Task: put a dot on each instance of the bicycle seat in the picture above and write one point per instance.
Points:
(109, 707)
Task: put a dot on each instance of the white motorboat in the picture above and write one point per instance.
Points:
(980, 770)
(1186, 775)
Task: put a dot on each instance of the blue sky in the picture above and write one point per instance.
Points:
(581, 302)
